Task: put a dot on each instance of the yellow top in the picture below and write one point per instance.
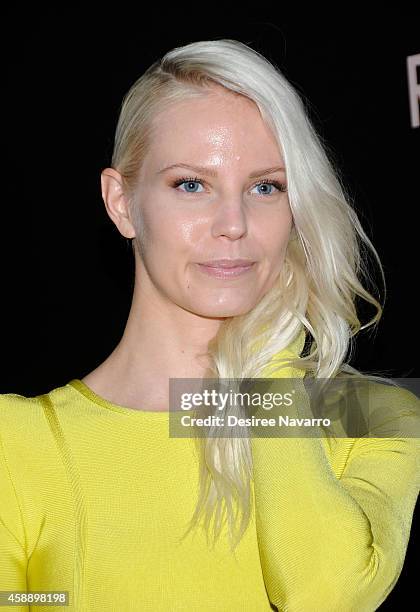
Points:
(94, 498)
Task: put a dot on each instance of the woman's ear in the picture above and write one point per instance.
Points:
(116, 202)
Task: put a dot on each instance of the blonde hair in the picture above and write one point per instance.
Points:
(324, 267)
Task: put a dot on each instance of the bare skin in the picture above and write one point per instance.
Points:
(176, 307)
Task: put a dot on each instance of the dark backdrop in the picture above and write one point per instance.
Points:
(67, 272)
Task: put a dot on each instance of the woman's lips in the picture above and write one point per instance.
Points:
(230, 272)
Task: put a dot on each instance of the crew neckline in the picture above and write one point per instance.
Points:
(88, 393)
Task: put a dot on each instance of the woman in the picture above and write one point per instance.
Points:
(214, 159)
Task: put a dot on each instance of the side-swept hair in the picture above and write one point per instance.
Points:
(325, 266)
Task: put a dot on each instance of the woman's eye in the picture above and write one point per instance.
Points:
(269, 187)
(189, 184)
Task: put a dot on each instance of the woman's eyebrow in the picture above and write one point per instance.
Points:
(210, 172)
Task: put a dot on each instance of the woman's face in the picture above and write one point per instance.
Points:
(217, 213)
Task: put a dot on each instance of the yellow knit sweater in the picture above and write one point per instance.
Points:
(94, 498)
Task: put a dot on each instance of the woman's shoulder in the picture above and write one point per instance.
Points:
(28, 444)
(379, 416)
(391, 409)
(23, 418)
(16, 406)
(19, 411)
(375, 401)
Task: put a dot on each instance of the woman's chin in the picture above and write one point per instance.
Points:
(217, 311)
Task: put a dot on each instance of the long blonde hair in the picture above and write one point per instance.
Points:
(324, 269)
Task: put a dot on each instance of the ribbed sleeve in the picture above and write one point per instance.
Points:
(334, 543)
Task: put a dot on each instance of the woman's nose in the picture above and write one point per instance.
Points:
(230, 219)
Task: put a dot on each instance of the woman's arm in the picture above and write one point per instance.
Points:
(13, 558)
(328, 543)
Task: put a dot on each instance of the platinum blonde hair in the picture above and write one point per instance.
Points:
(325, 265)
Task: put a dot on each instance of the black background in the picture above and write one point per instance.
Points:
(67, 272)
